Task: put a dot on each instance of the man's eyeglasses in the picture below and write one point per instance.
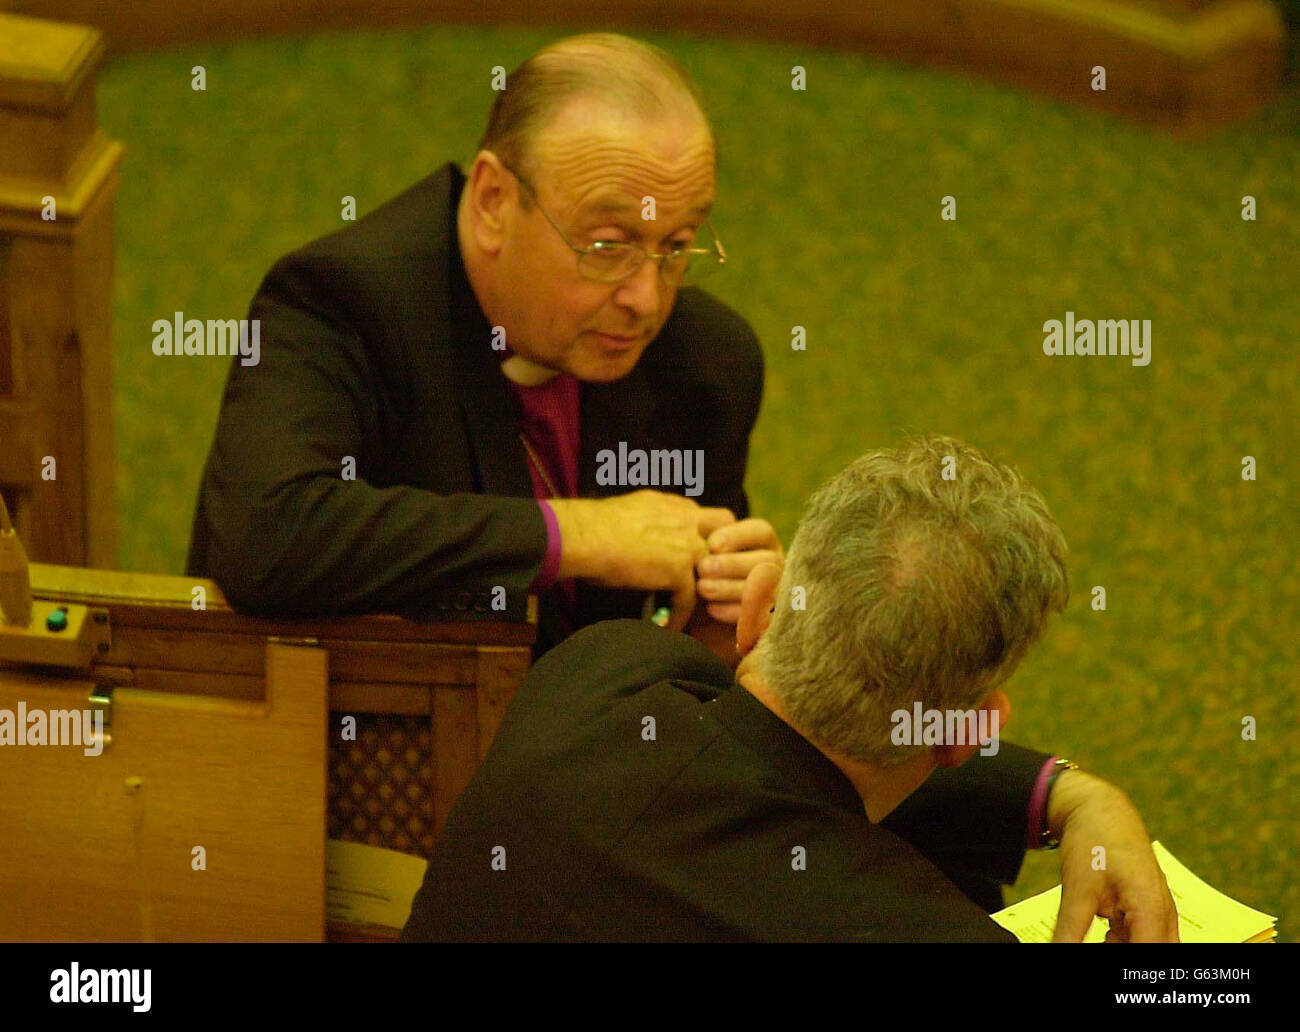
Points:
(608, 261)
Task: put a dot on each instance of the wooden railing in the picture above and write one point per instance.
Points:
(1184, 65)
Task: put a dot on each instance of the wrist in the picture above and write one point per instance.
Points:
(1071, 790)
(571, 517)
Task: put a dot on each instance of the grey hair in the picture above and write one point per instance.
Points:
(629, 74)
(917, 589)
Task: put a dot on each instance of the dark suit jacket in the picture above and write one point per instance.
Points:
(373, 346)
(601, 832)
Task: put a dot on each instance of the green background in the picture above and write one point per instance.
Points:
(829, 202)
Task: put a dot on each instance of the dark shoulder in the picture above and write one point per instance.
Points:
(862, 883)
(395, 250)
(414, 222)
(621, 657)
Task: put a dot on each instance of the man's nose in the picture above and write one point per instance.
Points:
(642, 291)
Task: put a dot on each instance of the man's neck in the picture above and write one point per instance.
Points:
(880, 788)
(520, 370)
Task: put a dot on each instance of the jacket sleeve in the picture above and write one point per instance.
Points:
(288, 534)
(974, 818)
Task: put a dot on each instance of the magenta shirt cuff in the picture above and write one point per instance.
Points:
(1038, 807)
(550, 570)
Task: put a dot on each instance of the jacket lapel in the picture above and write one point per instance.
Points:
(491, 421)
(488, 408)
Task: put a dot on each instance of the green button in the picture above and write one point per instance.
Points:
(57, 620)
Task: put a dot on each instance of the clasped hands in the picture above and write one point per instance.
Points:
(656, 541)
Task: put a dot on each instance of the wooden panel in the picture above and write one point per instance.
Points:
(455, 749)
(18, 467)
(185, 682)
(85, 858)
(344, 696)
(401, 662)
(222, 652)
(92, 262)
(500, 672)
(210, 653)
(41, 297)
(414, 700)
(7, 353)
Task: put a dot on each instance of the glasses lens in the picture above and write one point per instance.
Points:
(699, 267)
(611, 263)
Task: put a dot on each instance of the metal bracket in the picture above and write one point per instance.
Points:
(101, 631)
(101, 701)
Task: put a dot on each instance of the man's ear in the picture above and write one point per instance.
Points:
(489, 190)
(757, 599)
(991, 715)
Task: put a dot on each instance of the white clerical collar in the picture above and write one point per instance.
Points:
(518, 369)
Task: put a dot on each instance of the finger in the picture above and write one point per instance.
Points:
(1147, 926)
(736, 564)
(710, 519)
(683, 604)
(728, 614)
(1172, 932)
(1075, 916)
(747, 533)
(720, 590)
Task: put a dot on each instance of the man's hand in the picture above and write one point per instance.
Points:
(1085, 812)
(733, 551)
(646, 539)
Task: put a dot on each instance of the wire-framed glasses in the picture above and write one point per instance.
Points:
(608, 261)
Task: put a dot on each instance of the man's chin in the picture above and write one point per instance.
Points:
(604, 368)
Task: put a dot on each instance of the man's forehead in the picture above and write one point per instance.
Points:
(616, 204)
(618, 188)
(607, 162)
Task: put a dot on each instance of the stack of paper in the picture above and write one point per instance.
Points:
(1204, 913)
(367, 885)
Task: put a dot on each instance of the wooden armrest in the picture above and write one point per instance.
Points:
(165, 601)
(157, 639)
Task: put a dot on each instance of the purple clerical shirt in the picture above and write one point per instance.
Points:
(549, 418)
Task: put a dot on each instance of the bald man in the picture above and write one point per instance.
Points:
(502, 382)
